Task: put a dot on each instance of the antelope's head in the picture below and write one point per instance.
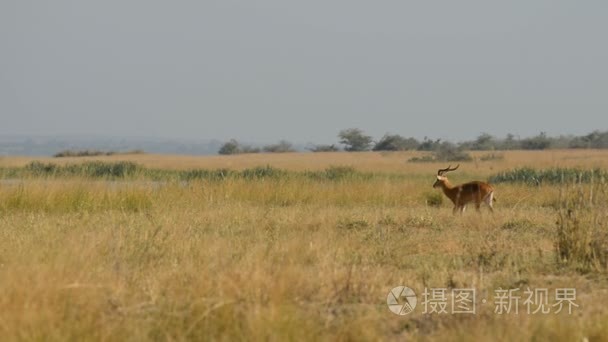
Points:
(441, 179)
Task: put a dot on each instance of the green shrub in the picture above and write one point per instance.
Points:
(338, 173)
(262, 172)
(101, 169)
(202, 174)
(97, 169)
(433, 199)
(41, 169)
(549, 176)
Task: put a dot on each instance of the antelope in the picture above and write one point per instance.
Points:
(463, 194)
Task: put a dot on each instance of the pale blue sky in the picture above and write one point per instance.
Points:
(265, 70)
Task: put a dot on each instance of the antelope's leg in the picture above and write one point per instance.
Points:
(489, 198)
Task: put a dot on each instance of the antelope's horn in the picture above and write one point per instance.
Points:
(453, 168)
(442, 171)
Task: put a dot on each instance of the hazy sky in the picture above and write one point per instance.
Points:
(263, 70)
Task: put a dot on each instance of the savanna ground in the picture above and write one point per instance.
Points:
(295, 257)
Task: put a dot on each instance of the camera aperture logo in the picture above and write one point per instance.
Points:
(401, 300)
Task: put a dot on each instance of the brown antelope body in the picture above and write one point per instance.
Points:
(463, 194)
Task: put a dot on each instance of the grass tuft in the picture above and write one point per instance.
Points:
(582, 228)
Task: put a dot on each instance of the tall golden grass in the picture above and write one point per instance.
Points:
(289, 259)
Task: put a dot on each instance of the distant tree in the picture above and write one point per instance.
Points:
(325, 148)
(598, 139)
(484, 142)
(429, 145)
(449, 152)
(234, 147)
(281, 147)
(396, 142)
(595, 139)
(510, 143)
(231, 147)
(355, 140)
(539, 142)
(562, 141)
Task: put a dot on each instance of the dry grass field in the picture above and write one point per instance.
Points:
(294, 257)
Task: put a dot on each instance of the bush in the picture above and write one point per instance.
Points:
(539, 142)
(234, 147)
(282, 147)
(200, 174)
(325, 148)
(448, 152)
(429, 145)
(92, 153)
(262, 172)
(41, 169)
(101, 169)
(550, 176)
(396, 143)
(433, 199)
(445, 152)
(89, 169)
(509, 143)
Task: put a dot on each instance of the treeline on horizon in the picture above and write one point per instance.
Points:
(356, 140)
(94, 153)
